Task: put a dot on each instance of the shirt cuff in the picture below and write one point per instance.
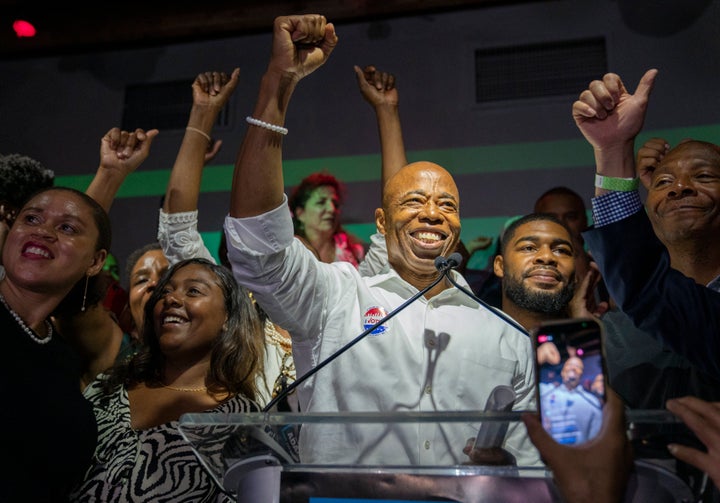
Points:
(263, 234)
(179, 237)
(615, 206)
(179, 218)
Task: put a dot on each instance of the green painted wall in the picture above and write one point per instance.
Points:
(483, 159)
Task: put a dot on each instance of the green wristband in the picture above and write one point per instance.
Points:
(616, 184)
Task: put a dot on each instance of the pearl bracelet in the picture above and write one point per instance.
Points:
(616, 184)
(266, 125)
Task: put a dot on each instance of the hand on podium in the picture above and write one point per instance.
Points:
(486, 447)
(493, 456)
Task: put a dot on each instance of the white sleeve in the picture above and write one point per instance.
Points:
(288, 281)
(376, 258)
(179, 238)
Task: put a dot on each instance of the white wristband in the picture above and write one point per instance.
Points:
(266, 125)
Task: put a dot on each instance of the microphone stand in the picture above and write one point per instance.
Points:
(490, 308)
(454, 260)
(443, 274)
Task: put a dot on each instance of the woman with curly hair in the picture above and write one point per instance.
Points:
(315, 205)
(20, 177)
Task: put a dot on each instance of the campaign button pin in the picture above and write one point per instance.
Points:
(372, 316)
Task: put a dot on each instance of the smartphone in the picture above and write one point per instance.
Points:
(571, 376)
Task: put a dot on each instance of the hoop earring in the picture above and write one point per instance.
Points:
(87, 278)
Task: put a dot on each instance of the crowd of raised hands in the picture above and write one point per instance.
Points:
(199, 341)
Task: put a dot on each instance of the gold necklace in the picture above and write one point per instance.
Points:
(286, 377)
(199, 389)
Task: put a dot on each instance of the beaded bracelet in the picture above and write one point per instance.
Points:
(616, 184)
(266, 125)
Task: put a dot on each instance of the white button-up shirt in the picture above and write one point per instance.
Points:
(442, 354)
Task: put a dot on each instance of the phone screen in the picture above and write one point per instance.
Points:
(571, 378)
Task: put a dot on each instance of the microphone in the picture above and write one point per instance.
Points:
(455, 259)
(443, 264)
(447, 265)
(492, 433)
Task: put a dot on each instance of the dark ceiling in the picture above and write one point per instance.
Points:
(65, 28)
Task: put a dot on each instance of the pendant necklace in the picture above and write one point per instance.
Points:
(27, 329)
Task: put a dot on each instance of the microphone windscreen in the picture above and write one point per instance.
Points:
(441, 263)
(501, 398)
(455, 259)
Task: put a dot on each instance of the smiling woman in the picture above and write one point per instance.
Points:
(59, 238)
(203, 341)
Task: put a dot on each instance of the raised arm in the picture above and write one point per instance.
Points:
(121, 152)
(211, 92)
(177, 225)
(636, 266)
(300, 45)
(610, 117)
(378, 89)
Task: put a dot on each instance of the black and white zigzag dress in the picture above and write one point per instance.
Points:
(152, 465)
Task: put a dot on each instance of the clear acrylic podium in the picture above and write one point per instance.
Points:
(255, 458)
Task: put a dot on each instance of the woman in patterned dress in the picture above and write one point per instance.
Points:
(203, 341)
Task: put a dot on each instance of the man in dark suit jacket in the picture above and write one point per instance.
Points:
(661, 265)
(659, 298)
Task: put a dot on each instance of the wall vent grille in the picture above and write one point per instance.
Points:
(539, 70)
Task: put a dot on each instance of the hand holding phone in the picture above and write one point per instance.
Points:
(571, 378)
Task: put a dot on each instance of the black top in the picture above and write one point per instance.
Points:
(48, 426)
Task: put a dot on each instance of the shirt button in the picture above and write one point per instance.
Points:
(428, 390)
(427, 444)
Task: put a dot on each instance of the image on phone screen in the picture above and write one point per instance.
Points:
(571, 384)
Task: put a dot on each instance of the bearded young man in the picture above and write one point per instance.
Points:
(537, 269)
